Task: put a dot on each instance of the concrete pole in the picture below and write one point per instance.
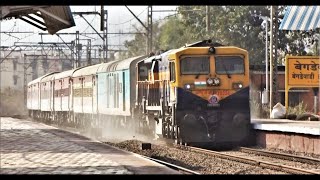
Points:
(271, 59)
(267, 81)
(78, 64)
(105, 35)
(25, 89)
(149, 31)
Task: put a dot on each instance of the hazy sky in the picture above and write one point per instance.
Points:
(119, 20)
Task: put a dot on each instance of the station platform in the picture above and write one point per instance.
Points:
(290, 135)
(285, 125)
(29, 147)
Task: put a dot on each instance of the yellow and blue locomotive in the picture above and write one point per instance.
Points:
(198, 94)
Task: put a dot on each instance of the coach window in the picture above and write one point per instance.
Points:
(172, 71)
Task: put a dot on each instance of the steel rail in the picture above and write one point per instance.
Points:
(253, 161)
(281, 155)
(173, 166)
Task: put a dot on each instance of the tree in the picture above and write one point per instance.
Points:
(230, 25)
(174, 34)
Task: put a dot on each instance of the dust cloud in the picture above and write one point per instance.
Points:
(12, 103)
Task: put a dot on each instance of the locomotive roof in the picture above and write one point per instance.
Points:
(174, 51)
(158, 57)
(40, 78)
(89, 70)
(118, 65)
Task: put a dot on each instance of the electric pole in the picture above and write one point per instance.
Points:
(89, 52)
(149, 31)
(78, 49)
(148, 28)
(273, 56)
(275, 70)
(271, 60)
(105, 35)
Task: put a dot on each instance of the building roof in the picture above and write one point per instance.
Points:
(55, 18)
(302, 18)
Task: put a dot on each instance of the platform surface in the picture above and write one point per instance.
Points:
(285, 125)
(28, 147)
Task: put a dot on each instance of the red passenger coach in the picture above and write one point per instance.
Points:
(63, 104)
(85, 94)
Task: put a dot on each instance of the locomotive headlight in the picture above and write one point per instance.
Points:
(212, 50)
(238, 85)
(213, 81)
(210, 81)
(216, 81)
(188, 86)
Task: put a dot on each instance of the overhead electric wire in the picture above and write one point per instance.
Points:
(128, 20)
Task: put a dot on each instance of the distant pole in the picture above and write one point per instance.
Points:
(102, 28)
(315, 102)
(89, 52)
(73, 59)
(271, 59)
(106, 35)
(25, 81)
(101, 18)
(78, 64)
(149, 31)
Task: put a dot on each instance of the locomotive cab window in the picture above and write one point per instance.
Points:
(229, 65)
(172, 71)
(195, 65)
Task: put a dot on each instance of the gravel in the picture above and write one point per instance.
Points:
(202, 163)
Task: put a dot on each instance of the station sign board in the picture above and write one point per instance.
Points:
(302, 71)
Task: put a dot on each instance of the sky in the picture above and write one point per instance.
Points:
(119, 20)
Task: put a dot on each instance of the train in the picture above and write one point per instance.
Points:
(197, 94)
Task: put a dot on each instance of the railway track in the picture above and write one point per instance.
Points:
(248, 160)
(257, 162)
(173, 166)
(281, 155)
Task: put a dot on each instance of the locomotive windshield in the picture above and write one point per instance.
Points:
(195, 65)
(229, 65)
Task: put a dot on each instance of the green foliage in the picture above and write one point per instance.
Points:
(298, 109)
(258, 110)
(229, 25)
(174, 34)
